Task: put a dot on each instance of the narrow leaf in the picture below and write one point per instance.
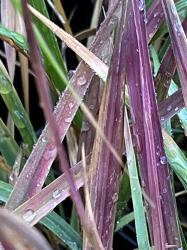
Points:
(139, 213)
(52, 221)
(179, 42)
(147, 131)
(38, 164)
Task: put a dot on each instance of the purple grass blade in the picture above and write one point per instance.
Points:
(87, 131)
(15, 234)
(166, 70)
(43, 90)
(155, 17)
(50, 197)
(105, 171)
(38, 164)
(171, 106)
(147, 130)
(178, 41)
(92, 101)
(8, 19)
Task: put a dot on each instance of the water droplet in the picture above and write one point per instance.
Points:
(72, 245)
(81, 80)
(11, 178)
(169, 108)
(176, 109)
(71, 73)
(115, 197)
(162, 118)
(137, 50)
(164, 190)
(29, 215)
(5, 85)
(155, 14)
(163, 160)
(143, 184)
(70, 105)
(68, 120)
(178, 28)
(50, 153)
(91, 107)
(85, 126)
(133, 189)
(44, 139)
(141, 5)
(56, 194)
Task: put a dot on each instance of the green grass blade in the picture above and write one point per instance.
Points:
(51, 58)
(176, 158)
(8, 146)
(16, 109)
(125, 220)
(51, 43)
(183, 113)
(14, 39)
(123, 195)
(5, 190)
(139, 213)
(63, 230)
(52, 46)
(52, 221)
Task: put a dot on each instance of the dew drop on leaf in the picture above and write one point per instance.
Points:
(56, 194)
(81, 80)
(163, 160)
(141, 5)
(29, 215)
(68, 120)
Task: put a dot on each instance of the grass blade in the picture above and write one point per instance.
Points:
(104, 170)
(179, 42)
(171, 106)
(92, 60)
(52, 221)
(52, 46)
(8, 19)
(176, 158)
(154, 170)
(52, 195)
(37, 166)
(62, 230)
(14, 39)
(166, 71)
(139, 213)
(16, 110)
(8, 146)
(155, 17)
(125, 220)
